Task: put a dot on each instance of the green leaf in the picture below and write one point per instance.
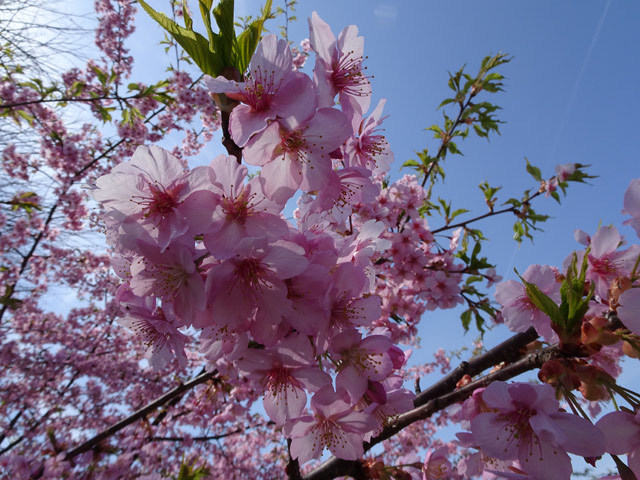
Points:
(479, 321)
(247, 41)
(410, 163)
(188, 23)
(457, 212)
(533, 171)
(29, 118)
(223, 14)
(466, 319)
(545, 304)
(193, 43)
(446, 102)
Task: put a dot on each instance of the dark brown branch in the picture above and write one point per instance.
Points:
(69, 99)
(194, 439)
(293, 466)
(142, 413)
(12, 424)
(514, 210)
(445, 141)
(507, 351)
(227, 141)
(444, 393)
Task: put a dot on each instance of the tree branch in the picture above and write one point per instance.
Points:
(143, 412)
(445, 141)
(444, 393)
(68, 99)
(488, 214)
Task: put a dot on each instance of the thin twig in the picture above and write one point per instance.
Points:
(143, 412)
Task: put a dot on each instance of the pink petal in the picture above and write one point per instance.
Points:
(286, 259)
(353, 382)
(495, 436)
(280, 179)
(629, 310)
(496, 395)
(307, 447)
(244, 122)
(260, 149)
(221, 85)
(632, 198)
(347, 446)
(285, 403)
(296, 99)
(159, 164)
(540, 458)
(605, 240)
(313, 378)
(581, 437)
(622, 434)
(322, 39)
(222, 243)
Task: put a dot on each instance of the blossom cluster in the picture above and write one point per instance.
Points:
(308, 314)
(285, 306)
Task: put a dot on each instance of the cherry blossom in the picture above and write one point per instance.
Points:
(335, 425)
(338, 68)
(519, 311)
(295, 154)
(152, 188)
(271, 89)
(632, 204)
(525, 424)
(622, 432)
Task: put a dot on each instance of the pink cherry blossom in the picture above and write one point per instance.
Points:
(629, 306)
(367, 148)
(338, 68)
(152, 189)
(335, 425)
(632, 204)
(436, 464)
(564, 171)
(251, 284)
(360, 359)
(271, 89)
(622, 432)
(296, 154)
(526, 425)
(351, 185)
(606, 263)
(157, 327)
(285, 372)
(242, 210)
(172, 275)
(518, 311)
(309, 306)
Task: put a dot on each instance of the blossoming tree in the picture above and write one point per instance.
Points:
(233, 305)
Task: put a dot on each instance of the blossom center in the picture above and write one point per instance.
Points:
(252, 274)
(347, 76)
(161, 202)
(260, 87)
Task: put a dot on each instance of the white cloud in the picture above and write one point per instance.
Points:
(385, 12)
